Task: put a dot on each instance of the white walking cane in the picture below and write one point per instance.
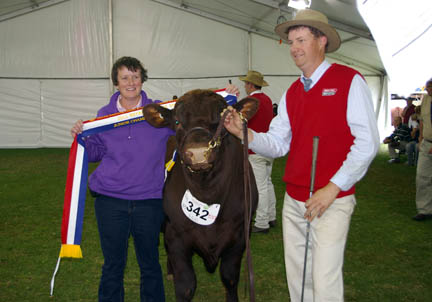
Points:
(312, 182)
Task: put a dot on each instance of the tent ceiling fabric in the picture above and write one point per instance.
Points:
(263, 14)
(56, 55)
(260, 17)
(13, 8)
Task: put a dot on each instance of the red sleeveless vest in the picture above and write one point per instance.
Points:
(260, 122)
(319, 112)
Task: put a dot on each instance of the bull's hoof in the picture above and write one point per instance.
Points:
(170, 277)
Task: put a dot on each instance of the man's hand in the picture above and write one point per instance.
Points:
(320, 201)
(421, 139)
(233, 123)
(232, 89)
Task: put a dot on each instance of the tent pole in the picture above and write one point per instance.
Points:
(249, 51)
(111, 43)
(386, 102)
(380, 97)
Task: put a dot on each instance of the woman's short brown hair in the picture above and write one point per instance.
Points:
(130, 63)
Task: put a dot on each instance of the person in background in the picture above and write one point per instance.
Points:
(262, 166)
(408, 110)
(412, 146)
(128, 185)
(424, 164)
(275, 109)
(397, 140)
(395, 112)
(348, 142)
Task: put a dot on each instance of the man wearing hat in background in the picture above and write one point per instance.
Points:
(333, 102)
(262, 166)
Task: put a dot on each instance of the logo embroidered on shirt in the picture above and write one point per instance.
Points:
(330, 91)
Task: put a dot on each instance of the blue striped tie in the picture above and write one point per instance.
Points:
(307, 84)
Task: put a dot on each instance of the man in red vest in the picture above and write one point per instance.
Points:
(408, 110)
(333, 102)
(262, 166)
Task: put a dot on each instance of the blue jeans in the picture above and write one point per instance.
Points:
(412, 153)
(117, 219)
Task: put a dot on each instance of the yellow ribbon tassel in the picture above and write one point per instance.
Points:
(70, 251)
(169, 165)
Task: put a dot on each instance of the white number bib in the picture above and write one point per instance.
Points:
(197, 211)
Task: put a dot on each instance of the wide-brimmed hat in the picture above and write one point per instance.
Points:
(255, 78)
(314, 19)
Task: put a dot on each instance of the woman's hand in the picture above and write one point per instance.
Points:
(77, 128)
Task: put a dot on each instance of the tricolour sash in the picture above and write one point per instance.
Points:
(76, 180)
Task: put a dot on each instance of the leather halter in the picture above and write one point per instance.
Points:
(215, 141)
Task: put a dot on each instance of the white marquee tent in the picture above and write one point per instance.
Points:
(55, 56)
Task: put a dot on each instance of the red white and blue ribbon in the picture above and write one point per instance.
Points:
(77, 173)
(231, 99)
(76, 181)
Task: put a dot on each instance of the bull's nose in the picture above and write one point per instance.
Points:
(196, 155)
(189, 154)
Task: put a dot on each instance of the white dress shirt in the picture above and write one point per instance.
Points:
(361, 120)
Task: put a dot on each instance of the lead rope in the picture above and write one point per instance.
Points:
(248, 209)
(248, 205)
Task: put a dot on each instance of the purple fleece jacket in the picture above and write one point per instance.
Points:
(131, 157)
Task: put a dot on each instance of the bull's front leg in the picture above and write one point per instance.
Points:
(180, 261)
(230, 270)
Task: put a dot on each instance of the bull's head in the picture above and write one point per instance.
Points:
(195, 118)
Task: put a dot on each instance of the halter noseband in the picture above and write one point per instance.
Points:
(215, 141)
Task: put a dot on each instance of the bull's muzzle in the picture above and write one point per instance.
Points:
(197, 147)
(198, 158)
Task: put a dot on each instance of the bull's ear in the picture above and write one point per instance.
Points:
(157, 116)
(248, 107)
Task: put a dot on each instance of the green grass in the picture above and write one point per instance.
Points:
(388, 255)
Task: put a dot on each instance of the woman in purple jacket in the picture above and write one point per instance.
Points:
(128, 185)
